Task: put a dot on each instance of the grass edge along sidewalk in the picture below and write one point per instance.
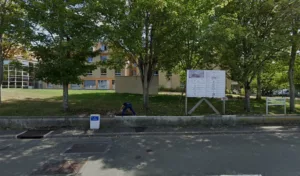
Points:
(47, 102)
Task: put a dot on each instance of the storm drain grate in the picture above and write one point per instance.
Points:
(139, 129)
(34, 134)
(88, 148)
(60, 167)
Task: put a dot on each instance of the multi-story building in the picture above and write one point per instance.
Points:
(19, 76)
(100, 78)
(104, 78)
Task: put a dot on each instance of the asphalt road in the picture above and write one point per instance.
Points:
(175, 155)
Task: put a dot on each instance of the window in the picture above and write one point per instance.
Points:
(117, 72)
(155, 73)
(103, 48)
(103, 71)
(49, 86)
(103, 58)
(102, 84)
(90, 73)
(90, 84)
(90, 59)
(75, 86)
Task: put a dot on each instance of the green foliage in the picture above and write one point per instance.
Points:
(137, 31)
(189, 45)
(65, 32)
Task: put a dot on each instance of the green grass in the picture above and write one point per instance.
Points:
(18, 102)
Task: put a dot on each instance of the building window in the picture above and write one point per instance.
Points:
(75, 86)
(103, 48)
(117, 72)
(103, 58)
(102, 84)
(90, 60)
(49, 86)
(103, 71)
(90, 73)
(155, 73)
(90, 84)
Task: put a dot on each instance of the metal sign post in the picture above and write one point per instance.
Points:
(205, 84)
(209, 104)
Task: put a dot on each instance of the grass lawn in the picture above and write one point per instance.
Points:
(22, 102)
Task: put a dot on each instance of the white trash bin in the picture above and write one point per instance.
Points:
(94, 121)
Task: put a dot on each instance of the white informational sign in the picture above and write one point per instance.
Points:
(206, 83)
(94, 121)
(275, 101)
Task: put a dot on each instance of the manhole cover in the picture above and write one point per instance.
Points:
(88, 148)
(34, 134)
(60, 167)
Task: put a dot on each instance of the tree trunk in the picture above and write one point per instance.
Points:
(291, 78)
(65, 97)
(1, 67)
(291, 70)
(146, 98)
(258, 93)
(145, 88)
(247, 96)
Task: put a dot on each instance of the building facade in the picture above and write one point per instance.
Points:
(19, 73)
(101, 78)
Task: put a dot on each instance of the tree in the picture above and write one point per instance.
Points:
(64, 34)
(189, 45)
(247, 39)
(12, 30)
(292, 18)
(136, 31)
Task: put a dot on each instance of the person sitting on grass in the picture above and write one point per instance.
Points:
(126, 106)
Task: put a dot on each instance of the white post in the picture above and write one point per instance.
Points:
(22, 78)
(285, 106)
(8, 82)
(267, 111)
(15, 78)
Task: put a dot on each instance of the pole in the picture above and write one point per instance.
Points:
(186, 104)
(284, 106)
(224, 106)
(267, 106)
(22, 78)
(8, 82)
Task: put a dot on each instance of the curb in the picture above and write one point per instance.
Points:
(134, 121)
(162, 133)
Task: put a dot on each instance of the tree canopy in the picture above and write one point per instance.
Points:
(64, 33)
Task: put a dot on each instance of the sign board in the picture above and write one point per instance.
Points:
(275, 101)
(206, 83)
(94, 121)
